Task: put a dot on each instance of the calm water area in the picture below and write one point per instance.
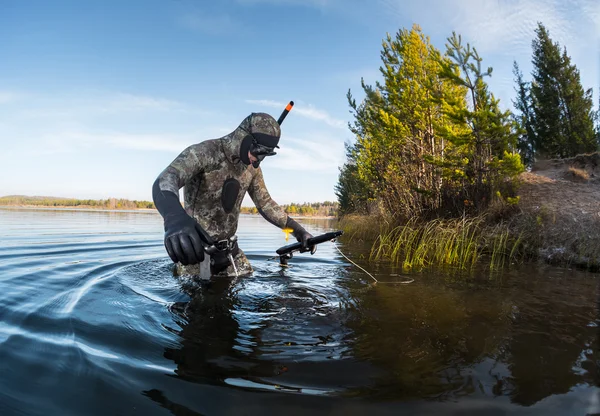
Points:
(93, 322)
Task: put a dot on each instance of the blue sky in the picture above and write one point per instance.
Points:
(98, 97)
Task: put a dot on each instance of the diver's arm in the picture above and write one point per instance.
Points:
(263, 202)
(273, 213)
(183, 234)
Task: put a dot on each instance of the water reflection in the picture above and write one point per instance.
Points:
(212, 347)
(526, 338)
(271, 332)
(553, 341)
(88, 298)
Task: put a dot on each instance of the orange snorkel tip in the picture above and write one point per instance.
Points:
(287, 109)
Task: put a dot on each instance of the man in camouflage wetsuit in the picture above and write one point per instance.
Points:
(216, 175)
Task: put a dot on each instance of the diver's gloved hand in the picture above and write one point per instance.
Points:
(182, 239)
(182, 233)
(301, 235)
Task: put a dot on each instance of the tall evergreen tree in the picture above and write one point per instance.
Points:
(545, 97)
(597, 115)
(562, 110)
(396, 125)
(526, 140)
(489, 143)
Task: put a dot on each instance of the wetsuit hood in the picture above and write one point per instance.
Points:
(258, 133)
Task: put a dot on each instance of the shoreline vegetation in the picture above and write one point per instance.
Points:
(325, 209)
(440, 177)
(556, 221)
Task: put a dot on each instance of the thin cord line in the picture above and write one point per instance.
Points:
(410, 280)
(338, 249)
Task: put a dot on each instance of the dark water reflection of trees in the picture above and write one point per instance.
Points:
(526, 335)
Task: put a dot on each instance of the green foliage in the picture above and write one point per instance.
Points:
(560, 117)
(484, 135)
(353, 193)
(430, 136)
(524, 118)
(596, 115)
(510, 164)
(396, 128)
(597, 118)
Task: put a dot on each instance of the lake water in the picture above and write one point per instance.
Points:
(93, 322)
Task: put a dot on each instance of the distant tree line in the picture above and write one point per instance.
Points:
(110, 203)
(327, 208)
(313, 209)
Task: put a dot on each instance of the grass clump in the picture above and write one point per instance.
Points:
(576, 174)
(457, 243)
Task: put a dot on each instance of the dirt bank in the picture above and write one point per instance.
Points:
(560, 210)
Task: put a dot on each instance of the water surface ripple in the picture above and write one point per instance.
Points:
(93, 322)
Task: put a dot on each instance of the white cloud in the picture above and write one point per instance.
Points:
(501, 26)
(267, 103)
(309, 112)
(73, 141)
(101, 103)
(323, 155)
(591, 9)
(118, 102)
(153, 142)
(502, 31)
(92, 104)
(52, 124)
(315, 114)
(495, 26)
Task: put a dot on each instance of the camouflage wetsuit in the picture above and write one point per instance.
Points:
(215, 181)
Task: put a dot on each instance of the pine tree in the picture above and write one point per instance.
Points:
(420, 148)
(597, 118)
(578, 110)
(562, 110)
(488, 142)
(545, 96)
(526, 140)
(396, 124)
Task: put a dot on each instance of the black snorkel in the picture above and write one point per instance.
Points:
(262, 145)
(285, 112)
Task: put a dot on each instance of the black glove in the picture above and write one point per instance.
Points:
(301, 235)
(182, 239)
(183, 235)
